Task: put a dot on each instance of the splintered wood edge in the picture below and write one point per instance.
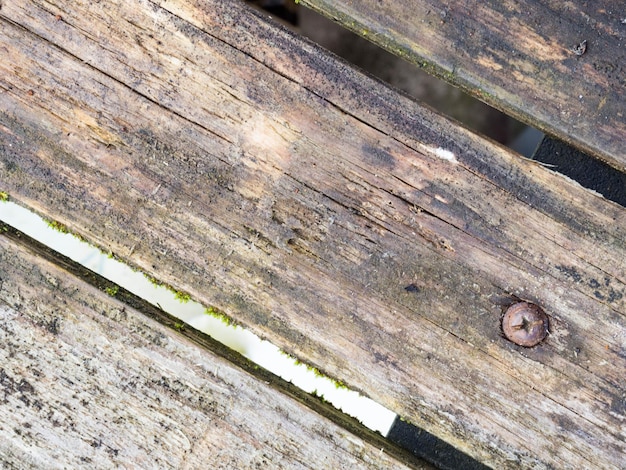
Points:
(89, 380)
(531, 65)
(303, 199)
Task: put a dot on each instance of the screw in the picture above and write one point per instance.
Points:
(580, 49)
(525, 324)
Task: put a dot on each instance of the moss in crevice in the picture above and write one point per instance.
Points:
(182, 297)
(339, 384)
(58, 226)
(215, 313)
(112, 290)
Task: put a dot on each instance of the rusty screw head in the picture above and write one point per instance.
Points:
(525, 324)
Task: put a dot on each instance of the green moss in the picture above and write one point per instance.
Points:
(320, 397)
(182, 297)
(112, 291)
(339, 385)
(4, 196)
(405, 420)
(153, 280)
(58, 226)
(81, 238)
(180, 326)
(215, 313)
(315, 371)
(62, 228)
(296, 361)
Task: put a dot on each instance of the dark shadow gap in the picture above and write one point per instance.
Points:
(449, 100)
(404, 76)
(428, 447)
(587, 171)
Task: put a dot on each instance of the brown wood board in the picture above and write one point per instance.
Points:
(87, 381)
(520, 57)
(353, 228)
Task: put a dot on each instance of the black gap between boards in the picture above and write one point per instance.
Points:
(429, 447)
(448, 100)
(586, 170)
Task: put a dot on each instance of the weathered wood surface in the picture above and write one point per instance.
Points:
(518, 56)
(241, 164)
(88, 382)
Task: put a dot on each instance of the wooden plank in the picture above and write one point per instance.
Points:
(87, 381)
(356, 230)
(518, 56)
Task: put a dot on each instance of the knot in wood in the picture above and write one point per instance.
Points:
(525, 324)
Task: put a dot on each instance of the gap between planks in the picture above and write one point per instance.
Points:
(318, 262)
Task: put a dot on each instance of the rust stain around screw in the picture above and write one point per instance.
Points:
(525, 324)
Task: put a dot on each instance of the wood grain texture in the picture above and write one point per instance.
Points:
(243, 165)
(517, 56)
(88, 382)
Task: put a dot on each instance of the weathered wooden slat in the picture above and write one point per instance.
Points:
(234, 161)
(519, 56)
(87, 381)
